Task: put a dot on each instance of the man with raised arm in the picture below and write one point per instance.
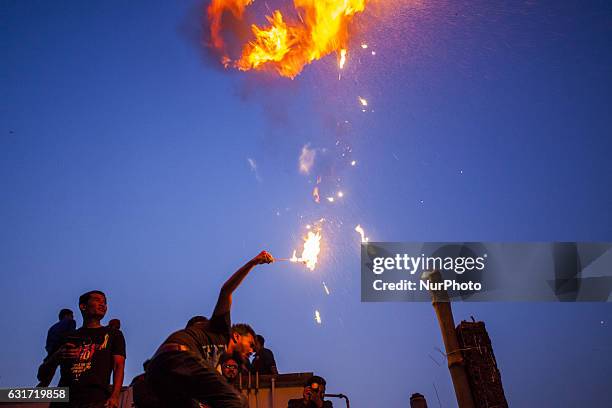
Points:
(184, 368)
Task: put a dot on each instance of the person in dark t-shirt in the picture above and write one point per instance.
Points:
(185, 367)
(264, 362)
(87, 358)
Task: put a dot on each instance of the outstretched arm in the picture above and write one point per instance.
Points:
(224, 303)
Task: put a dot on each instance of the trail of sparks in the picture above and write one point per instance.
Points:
(361, 232)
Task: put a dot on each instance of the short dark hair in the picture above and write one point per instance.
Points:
(315, 379)
(65, 312)
(196, 319)
(84, 298)
(114, 323)
(225, 357)
(260, 339)
(243, 329)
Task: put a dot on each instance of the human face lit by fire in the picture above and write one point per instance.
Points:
(244, 345)
(95, 306)
(229, 369)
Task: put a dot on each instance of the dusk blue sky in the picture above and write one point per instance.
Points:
(124, 167)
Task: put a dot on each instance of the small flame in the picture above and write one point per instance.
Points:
(364, 46)
(361, 232)
(340, 194)
(354, 162)
(342, 58)
(317, 317)
(315, 195)
(363, 101)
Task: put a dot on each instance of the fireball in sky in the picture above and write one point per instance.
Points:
(287, 43)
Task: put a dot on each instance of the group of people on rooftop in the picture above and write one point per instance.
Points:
(195, 366)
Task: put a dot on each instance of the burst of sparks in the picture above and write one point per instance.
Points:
(310, 253)
(325, 288)
(361, 232)
(330, 199)
(317, 317)
(354, 162)
(340, 194)
(363, 101)
(364, 46)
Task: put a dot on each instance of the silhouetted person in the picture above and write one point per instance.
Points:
(184, 367)
(55, 337)
(143, 396)
(56, 332)
(264, 362)
(114, 324)
(87, 358)
(140, 377)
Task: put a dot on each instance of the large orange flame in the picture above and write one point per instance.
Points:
(285, 46)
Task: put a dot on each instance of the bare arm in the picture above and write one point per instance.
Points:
(224, 303)
(118, 367)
